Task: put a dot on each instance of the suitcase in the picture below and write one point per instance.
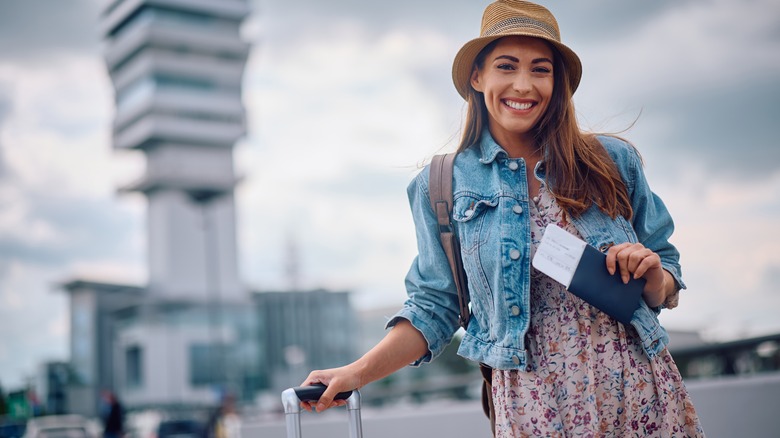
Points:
(292, 398)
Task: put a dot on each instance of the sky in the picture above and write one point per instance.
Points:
(345, 100)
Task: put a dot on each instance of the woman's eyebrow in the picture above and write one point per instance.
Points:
(534, 61)
(511, 58)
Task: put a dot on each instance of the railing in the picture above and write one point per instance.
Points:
(742, 357)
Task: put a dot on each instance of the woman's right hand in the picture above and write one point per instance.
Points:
(401, 346)
(346, 378)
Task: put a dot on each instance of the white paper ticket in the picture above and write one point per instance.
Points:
(558, 254)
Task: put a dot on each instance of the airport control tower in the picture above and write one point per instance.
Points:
(194, 331)
(191, 332)
(177, 67)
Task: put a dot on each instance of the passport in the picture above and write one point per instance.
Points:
(582, 269)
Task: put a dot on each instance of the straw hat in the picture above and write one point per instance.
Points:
(513, 17)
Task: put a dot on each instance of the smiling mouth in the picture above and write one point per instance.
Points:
(518, 105)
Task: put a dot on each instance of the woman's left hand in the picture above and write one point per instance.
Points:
(634, 260)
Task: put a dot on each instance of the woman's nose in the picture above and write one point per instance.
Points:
(522, 83)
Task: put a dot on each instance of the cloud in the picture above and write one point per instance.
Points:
(350, 121)
(5, 103)
(703, 74)
(599, 21)
(35, 31)
(51, 230)
(690, 47)
(5, 109)
(728, 244)
(34, 314)
(59, 214)
(452, 23)
(712, 128)
(58, 134)
(453, 16)
(58, 197)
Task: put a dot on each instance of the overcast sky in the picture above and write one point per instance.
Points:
(345, 98)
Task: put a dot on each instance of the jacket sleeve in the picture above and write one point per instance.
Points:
(432, 304)
(651, 220)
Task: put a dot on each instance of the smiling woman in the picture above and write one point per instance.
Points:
(554, 364)
(515, 76)
(55, 100)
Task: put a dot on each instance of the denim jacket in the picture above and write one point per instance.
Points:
(490, 196)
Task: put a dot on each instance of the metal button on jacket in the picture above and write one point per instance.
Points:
(515, 360)
(513, 165)
(514, 254)
(515, 310)
(517, 209)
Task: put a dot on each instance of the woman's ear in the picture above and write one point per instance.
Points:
(475, 80)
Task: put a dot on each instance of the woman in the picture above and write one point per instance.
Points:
(560, 366)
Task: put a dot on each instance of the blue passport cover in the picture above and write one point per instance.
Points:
(593, 283)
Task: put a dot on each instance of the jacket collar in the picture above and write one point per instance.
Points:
(489, 149)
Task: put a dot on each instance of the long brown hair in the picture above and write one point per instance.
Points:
(577, 167)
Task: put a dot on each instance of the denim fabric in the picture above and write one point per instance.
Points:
(490, 196)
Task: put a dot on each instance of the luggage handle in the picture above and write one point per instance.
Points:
(292, 398)
(314, 392)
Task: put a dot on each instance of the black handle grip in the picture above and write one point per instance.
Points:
(314, 392)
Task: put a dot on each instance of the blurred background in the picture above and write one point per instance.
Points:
(191, 191)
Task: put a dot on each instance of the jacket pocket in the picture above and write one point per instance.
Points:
(470, 212)
(475, 218)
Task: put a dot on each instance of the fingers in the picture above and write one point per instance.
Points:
(312, 379)
(612, 261)
(326, 401)
(631, 260)
(651, 261)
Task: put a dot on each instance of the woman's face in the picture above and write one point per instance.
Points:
(516, 79)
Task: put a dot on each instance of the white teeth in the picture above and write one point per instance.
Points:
(517, 105)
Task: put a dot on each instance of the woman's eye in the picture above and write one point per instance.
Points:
(541, 70)
(505, 67)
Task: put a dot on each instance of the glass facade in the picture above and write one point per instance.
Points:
(134, 360)
(83, 339)
(145, 87)
(171, 18)
(303, 331)
(206, 365)
(220, 344)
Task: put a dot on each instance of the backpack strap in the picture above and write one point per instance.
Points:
(440, 190)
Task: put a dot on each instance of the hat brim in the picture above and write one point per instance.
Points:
(463, 64)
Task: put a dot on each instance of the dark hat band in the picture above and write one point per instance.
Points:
(515, 22)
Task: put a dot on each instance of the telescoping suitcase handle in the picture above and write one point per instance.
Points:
(292, 398)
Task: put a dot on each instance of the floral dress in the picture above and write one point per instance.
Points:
(588, 375)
